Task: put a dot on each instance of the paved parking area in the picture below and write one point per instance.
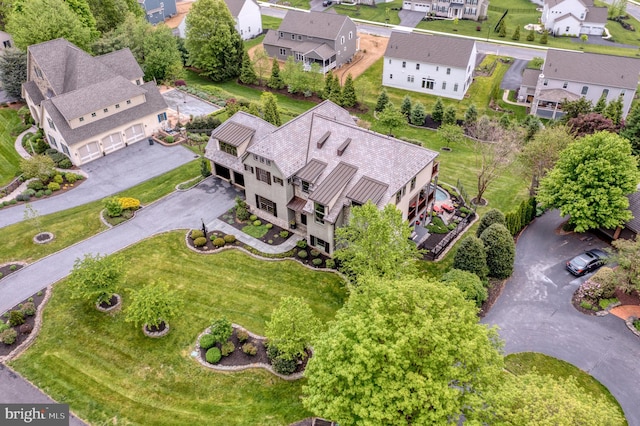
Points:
(513, 77)
(188, 104)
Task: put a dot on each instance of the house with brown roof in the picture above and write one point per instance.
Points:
(90, 106)
(433, 64)
(327, 39)
(462, 9)
(573, 17)
(568, 76)
(310, 171)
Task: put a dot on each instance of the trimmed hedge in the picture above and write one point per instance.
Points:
(490, 217)
(500, 250)
(471, 257)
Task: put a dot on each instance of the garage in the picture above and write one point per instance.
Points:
(134, 133)
(112, 143)
(89, 152)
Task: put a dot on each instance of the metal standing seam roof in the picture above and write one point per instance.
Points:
(311, 171)
(431, 49)
(367, 189)
(233, 133)
(333, 184)
(297, 204)
(592, 68)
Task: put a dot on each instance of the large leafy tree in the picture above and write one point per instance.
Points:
(590, 123)
(109, 14)
(214, 45)
(95, 278)
(407, 351)
(37, 21)
(13, 71)
(153, 304)
(292, 327)
(376, 242)
(590, 182)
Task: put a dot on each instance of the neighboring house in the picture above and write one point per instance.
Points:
(437, 65)
(571, 75)
(90, 106)
(461, 9)
(5, 41)
(158, 10)
(245, 13)
(309, 172)
(573, 17)
(631, 229)
(327, 39)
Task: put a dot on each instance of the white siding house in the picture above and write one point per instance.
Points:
(437, 65)
(573, 17)
(247, 15)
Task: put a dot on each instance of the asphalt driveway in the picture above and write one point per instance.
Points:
(534, 314)
(513, 77)
(109, 175)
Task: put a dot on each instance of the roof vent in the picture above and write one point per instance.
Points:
(323, 139)
(342, 148)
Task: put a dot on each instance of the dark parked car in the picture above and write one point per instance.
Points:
(326, 3)
(587, 262)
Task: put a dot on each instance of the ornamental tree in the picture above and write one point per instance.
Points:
(405, 351)
(275, 81)
(376, 242)
(500, 250)
(153, 304)
(292, 327)
(471, 257)
(95, 278)
(593, 122)
(405, 107)
(38, 166)
(591, 180)
(214, 45)
(383, 100)
(418, 114)
(390, 118)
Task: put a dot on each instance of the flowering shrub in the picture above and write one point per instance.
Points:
(129, 203)
(600, 286)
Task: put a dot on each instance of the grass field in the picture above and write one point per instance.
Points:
(110, 373)
(9, 158)
(78, 223)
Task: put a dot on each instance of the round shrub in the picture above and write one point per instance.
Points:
(23, 197)
(169, 139)
(230, 238)
(53, 186)
(199, 242)
(196, 233)
(58, 179)
(40, 194)
(129, 203)
(65, 163)
(213, 355)
(35, 184)
(302, 244)
(207, 341)
(253, 217)
(489, 218)
(242, 213)
(219, 242)
(601, 285)
(14, 201)
(3, 326)
(302, 254)
(317, 261)
(257, 223)
(315, 253)
(468, 283)
(330, 263)
(249, 349)
(29, 309)
(70, 177)
(284, 234)
(471, 257)
(227, 348)
(26, 328)
(284, 366)
(30, 192)
(13, 267)
(242, 336)
(16, 317)
(500, 250)
(8, 337)
(48, 192)
(269, 225)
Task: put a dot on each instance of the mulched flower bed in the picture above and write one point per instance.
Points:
(632, 298)
(9, 268)
(210, 236)
(23, 331)
(495, 289)
(64, 187)
(272, 236)
(237, 358)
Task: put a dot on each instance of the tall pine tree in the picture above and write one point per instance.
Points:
(247, 74)
(270, 108)
(349, 93)
(275, 81)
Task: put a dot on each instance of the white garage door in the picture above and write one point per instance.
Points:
(422, 7)
(112, 142)
(134, 133)
(89, 152)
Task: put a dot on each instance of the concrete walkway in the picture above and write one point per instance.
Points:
(534, 314)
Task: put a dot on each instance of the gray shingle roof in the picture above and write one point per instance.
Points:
(431, 49)
(235, 6)
(333, 184)
(314, 24)
(34, 93)
(530, 77)
(155, 103)
(122, 63)
(597, 15)
(634, 206)
(594, 68)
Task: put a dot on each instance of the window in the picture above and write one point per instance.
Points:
(303, 219)
(404, 64)
(565, 84)
(417, 66)
(437, 68)
(293, 36)
(50, 121)
(545, 82)
(263, 175)
(398, 197)
(283, 51)
(404, 190)
(52, 140)
(622, 92)
(93, 114)
(350, 35)
(389, 61)
(413, 184)
(162, 117)
(444, 85)
(128, 101)
(390, 76)
(81, 119)
(448, 71)
(299, 37)
(410, 78)
(321, 244)
(277, 180)
(105, 110)
(342, 40)
(455, 87)
(65, 149)
(38, 72)
(320, 212)
(229, 149)
(266, 205)
(605, 93)
(566, 30)
(305, 186)
(281, 34)
(117, 106)
(585, 89)
(428, 83)
(138, 82)
(248, 168)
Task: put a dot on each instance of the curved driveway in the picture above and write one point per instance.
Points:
(534, 314)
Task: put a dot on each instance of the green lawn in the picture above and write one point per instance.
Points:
(110, 373)
(79, 223)
(526, 362)
(376, 13)
(9, 159)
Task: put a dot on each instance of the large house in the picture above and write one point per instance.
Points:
(573, 17)
(327, 39)
(572, 75)
(309, 172)
(462, 9)
(438, 65)
(90, 106)
(158, 11)
(245, 13)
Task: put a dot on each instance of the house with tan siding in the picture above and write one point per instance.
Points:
(90, 106)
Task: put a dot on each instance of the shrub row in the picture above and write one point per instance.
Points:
(516, 220)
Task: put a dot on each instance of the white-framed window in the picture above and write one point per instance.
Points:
(398, 197)
(448, 71)
(138, 82)
(404, 64)
(428, 83)
(444, 85)
(545, 82)
(413, 183)
(304, 186)
(605, 93)
(106, 110)
(350, 35)
(283, 51)
(248, 168)
(229, 149)
(389, 61)
(81, 119)
(117, 106)
(319, 243)
(342, 40)
(293, 36)
(410, 78)
(565, 84)
(390, 76)
(266, 205)
(51, 125)
(162, 117)
(128, 101)
(417, 66)
(455, 87)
